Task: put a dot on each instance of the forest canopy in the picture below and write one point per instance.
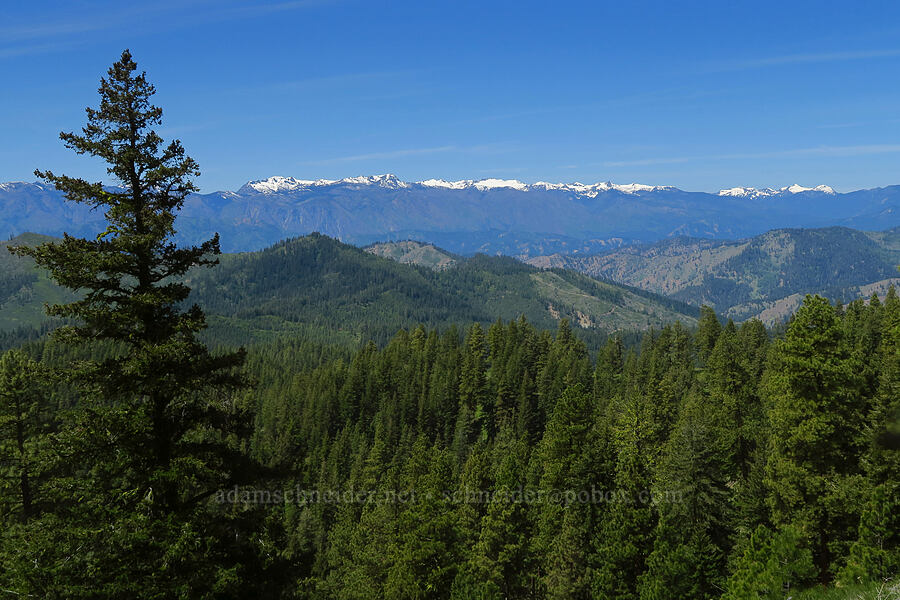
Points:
(470, 461)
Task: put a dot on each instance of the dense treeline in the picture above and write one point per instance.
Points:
(700, 465)
(319, 288)
(505, 462)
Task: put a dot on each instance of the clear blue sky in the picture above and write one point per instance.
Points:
(701, 95)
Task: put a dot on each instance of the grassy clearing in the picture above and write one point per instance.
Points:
(889, 590)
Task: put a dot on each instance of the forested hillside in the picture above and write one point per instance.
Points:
(24, 289)
(698, 466)
(472, 456)
(323, 286)
(329, 291)
(509, 464)
(765, 276)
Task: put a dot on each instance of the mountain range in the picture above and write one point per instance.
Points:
(330, 291)
(493, 216)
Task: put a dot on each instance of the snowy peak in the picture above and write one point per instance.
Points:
(594, 188)
(489, 184)
(750, 192)
(277, 183)
(796, 189)
(632, 188)
(386, 181)
(450, 185)
(578, 188)
(11, 186)
(481, 184)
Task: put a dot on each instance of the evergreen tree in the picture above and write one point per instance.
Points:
(608, 373)
(708, 330)
(158, 428)
(475, 407)
(691, 491)
(624, 537)
(875, 555)
(427, 549)
(817, 418)
(500, 564)
(24, 426)
(741, 361)
(568, 458)
(772, 567)
(731, 388)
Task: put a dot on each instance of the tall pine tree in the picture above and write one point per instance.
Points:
(816, 418)
(158, 427)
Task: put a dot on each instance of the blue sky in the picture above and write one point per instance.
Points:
(702, 95)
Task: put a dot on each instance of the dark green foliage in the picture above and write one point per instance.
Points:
(817, 417)
(708, 330)
(773, 566)
(322, 290)
(875, 555)
(624, 539)
(692, 535)
(25, 423)
(504, 463)
(319, 287)
(157, 429)
(572, 459)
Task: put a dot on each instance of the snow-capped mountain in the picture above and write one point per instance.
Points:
(488, 215)
(750, 192)
(278, 183)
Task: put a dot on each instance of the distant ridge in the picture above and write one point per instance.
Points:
(279, 183)
(765, 276)
(493, 216)
(317, 285)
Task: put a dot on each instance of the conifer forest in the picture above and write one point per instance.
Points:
(440, 450)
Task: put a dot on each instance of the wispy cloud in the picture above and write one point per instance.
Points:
(651, 97)
(826, 151)
(107, 17)
(850, 124)
(327, 81)
(23, 39)
(264, 9)
(807, 58)
(842, 125)
(382, 155)
(26, 49)
(643, 162)
(861, 150)
(488, 149)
